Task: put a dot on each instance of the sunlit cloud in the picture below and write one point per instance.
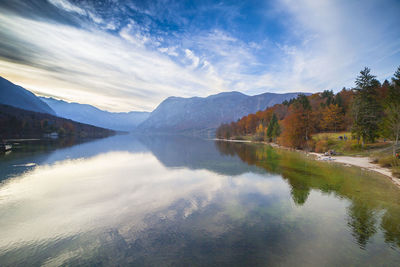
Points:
(95, 67)
(131, 55)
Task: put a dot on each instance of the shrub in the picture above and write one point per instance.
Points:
(389, 161)
(347, 146)
(258, 138)
(355, 146)
(321, 146)
(396, 172)
(311, 145)
(375, 160)
(386, 161)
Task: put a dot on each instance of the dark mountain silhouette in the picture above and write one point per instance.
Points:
(21, 123)
(17, 96)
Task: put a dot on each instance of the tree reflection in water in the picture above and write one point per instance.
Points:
(369, 194)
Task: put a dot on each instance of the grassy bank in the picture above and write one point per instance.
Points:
(381, 152)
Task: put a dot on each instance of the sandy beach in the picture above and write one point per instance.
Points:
(362, 162)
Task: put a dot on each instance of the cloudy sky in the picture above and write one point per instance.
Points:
(129, 55)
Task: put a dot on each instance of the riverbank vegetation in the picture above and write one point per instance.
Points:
(364, 120)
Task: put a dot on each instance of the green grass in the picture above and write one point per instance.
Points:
(350, 147)
(381, 152)
(384, 157)
(331, 141)
(333, 136)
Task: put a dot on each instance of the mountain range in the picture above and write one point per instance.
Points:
(120, 121)
(198, 114)
(19, 97)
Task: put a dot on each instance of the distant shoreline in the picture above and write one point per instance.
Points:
(361, 162)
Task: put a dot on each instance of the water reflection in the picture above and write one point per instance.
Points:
(369, 194)
(362, 221)
(26, 155)
(194, 153)
(182, 201)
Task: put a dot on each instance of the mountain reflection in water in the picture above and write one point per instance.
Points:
(173, 200)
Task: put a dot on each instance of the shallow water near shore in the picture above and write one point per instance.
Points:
(180, 201)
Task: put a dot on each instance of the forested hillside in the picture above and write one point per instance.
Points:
(368, 111)
(205, 114)
(20, 123)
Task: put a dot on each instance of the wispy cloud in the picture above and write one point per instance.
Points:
(131, 55)
(67, 6)
(99, 68)
(336, 39)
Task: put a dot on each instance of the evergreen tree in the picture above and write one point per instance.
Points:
(276, 131)
(329, 96)
(273, 130)
(339, 100)
(392, 110)
(307, 116)
(366, 109)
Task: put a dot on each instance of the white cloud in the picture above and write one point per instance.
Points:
(67, 6)
(323, 46)
(194, 59)
(95, 18)
(333, 42)
(171, 51)
(101, 69)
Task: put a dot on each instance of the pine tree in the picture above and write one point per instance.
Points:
(366, 109)
(273, 130)
(392, 110)
(276, 131)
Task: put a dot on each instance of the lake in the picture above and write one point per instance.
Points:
(180, 201)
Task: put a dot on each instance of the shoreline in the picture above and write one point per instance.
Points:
(364, 163)
(361, 162)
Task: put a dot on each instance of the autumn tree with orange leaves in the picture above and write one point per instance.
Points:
(332, 118)
(298, 125)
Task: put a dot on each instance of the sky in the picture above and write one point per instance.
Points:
(122, 55)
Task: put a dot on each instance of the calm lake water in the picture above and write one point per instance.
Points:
(178, 201)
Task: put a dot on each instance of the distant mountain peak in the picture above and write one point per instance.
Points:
(85, 113)
(228, 94)
(178, 114)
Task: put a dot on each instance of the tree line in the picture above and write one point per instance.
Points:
(20, 123)
(369, 110)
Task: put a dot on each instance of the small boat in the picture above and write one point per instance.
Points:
(4, 147)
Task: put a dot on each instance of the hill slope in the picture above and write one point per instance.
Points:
(121, 121)
(16, 96)
(177, 114)
(21, 123)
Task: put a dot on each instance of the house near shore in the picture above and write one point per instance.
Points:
(53, 135)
